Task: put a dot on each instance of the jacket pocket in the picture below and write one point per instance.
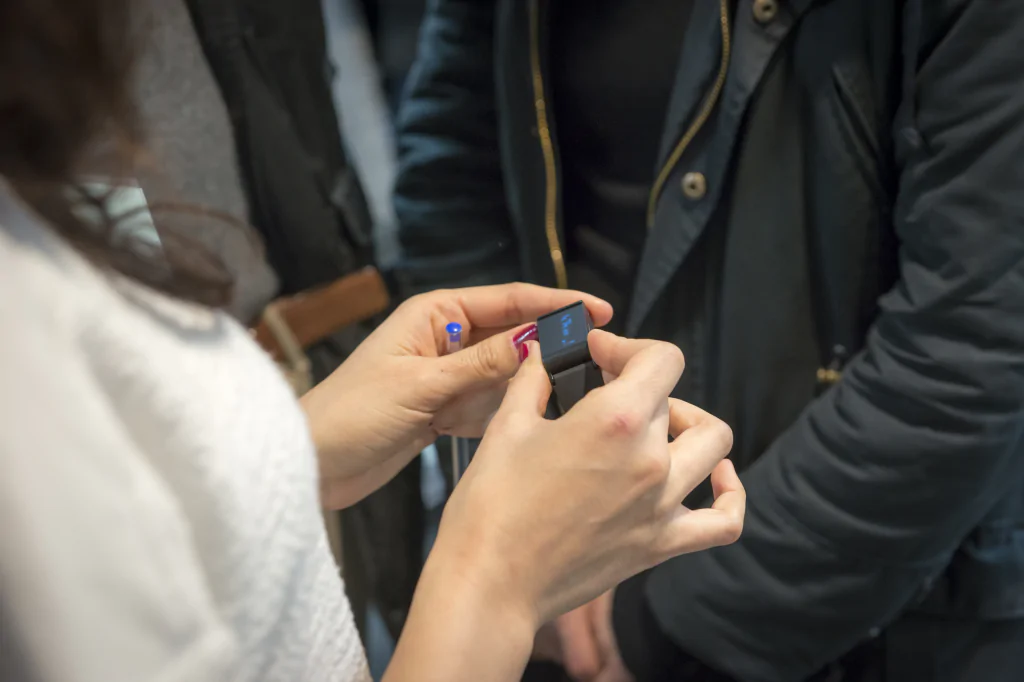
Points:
(860, 138)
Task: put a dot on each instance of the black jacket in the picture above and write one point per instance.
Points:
(901, 486)
(270, 61)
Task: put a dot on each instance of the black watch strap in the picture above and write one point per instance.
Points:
(570, 385)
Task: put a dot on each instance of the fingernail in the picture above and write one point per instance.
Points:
(520, 339)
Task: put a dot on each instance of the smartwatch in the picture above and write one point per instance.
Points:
(563, 347)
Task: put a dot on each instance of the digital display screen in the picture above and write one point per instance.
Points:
(563, 329)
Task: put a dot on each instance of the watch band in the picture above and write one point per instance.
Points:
(570, 385)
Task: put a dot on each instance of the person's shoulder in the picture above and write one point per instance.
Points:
(46, 289)
(76, 483)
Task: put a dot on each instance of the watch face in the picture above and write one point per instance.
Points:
(563, 335)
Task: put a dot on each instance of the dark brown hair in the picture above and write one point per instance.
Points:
(66, 91)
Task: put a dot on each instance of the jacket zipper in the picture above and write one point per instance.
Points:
(548, 149)
(705, 113)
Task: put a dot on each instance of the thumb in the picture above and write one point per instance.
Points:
(531, 388)
(482, 365)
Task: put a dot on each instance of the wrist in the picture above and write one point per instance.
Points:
(325, 442)
(487, 577)
(321, 410)
(462, 608)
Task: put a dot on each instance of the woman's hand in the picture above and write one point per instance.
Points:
(398, 391)
(561, 511)
(553, 513)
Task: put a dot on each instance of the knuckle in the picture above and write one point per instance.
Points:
(625, 423)
(425, 301)
(661, 545)
(668, 506)
(672, 355)
(439, 295)
(432, 299)
(412, 302)
(653, 470)
(485, 361)
(516, 292)
(732, 530)
(521, 288)
(721, 435)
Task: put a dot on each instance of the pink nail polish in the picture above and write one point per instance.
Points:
(520, 339)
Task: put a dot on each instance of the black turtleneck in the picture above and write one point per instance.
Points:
(612, 66)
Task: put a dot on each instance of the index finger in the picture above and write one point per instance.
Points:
(722, 524)
(701, 443)
(653, 365)
(508, 305)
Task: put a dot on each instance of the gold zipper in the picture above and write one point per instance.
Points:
(702, 117)
(548, 149)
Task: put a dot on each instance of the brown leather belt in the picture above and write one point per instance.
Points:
(311, 316)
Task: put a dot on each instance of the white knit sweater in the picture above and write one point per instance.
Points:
(159, 517)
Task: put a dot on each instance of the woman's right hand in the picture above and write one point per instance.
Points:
(552, 513)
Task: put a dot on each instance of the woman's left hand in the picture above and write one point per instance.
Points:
(399, 391)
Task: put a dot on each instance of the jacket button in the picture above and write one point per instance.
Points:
(765, 11)
(695, 185)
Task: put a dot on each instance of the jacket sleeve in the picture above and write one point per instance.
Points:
(454, 225)
(864, 500)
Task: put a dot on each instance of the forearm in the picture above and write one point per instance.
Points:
(343, 480)
(350, 468)
(341, 493)
(464, 625)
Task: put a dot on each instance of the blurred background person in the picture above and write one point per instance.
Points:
(822, 203)
(394, 26)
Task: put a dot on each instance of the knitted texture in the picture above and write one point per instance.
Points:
(159, 515)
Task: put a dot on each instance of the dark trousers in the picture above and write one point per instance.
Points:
(917, 648)
(927, 648)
